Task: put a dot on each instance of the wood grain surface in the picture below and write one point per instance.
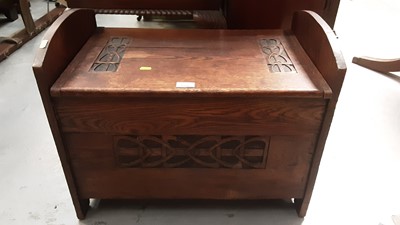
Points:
(220, 62)
(61, 46)
(227, 116)
(99, 176)
(320, 43)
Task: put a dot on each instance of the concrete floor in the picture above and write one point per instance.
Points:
(359, 178)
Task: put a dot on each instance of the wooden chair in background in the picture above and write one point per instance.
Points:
(10, 8)
(379, 65)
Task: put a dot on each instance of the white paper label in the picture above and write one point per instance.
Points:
(43, 44)
(185, 84)
(145, 68)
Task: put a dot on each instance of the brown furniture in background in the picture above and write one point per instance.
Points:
(189, 114)
(205, 13)
(147, 4)
(240, 14)
(274, 14)
(8, 45)
(379, 65)
(9, 9)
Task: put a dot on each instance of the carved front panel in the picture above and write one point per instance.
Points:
(110, 57)
(276, 56)
(236, 152)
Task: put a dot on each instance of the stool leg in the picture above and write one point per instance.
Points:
(301, 207)
(81, 208)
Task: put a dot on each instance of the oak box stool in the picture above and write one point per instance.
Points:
(189, 114)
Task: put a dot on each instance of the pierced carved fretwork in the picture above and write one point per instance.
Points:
(276, 56)
(111, 55)
(235, 152)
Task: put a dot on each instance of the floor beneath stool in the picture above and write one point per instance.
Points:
(358, 182)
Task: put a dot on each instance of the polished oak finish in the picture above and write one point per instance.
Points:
(189, 114)
(64, 44)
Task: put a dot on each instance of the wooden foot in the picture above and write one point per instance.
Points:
(380, 65)
(81, 208)
(301, 207)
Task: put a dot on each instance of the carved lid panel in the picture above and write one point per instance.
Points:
(135, 62)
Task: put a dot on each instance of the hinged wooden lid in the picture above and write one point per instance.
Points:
(143, 62)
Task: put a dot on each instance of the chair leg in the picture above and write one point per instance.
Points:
(301, 206)
(380, 65)
(81, 208)
(27, 16)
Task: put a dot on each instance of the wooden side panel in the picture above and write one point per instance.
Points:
(319, 42)
(191, 116)
(60, 46)
(284, 176)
